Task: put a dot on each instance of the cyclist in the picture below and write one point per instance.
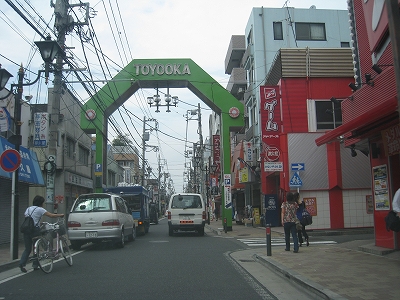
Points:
(36, 211)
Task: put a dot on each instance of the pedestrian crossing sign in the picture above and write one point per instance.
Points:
(295, 180)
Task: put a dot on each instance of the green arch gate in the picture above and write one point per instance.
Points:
(163, 73)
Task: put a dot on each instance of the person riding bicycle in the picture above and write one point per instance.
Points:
(36, 211)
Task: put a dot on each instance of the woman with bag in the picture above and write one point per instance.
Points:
(288, 218)
(302, 232)
(36, 211)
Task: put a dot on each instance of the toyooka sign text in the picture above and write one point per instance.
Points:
(159, 69)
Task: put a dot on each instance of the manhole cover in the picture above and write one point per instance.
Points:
(244, 234)
(159, 241)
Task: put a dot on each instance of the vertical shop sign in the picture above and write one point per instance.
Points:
(227, 187)
(248, 149)
(391, 140)
(381, 191)
(41, 126)
(217, 152)
(270, 127)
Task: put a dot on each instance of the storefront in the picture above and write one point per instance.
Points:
(29, 175)
(370, 114)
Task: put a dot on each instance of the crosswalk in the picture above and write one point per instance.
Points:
(262, 242)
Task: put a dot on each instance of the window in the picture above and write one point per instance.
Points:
(70, 148)
(344, 44)
(310, 32)
(83, 156)
(250, 37)
(91, 203)
(186, 201)
(278, 31)
(323, 115)
(328, 115)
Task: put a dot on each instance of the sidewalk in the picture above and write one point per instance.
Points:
(352, 270)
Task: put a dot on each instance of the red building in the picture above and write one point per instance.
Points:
(370, 115)
(294, 106)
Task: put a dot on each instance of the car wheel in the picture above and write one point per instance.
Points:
(76, 245)
(170, 231)
(121, 242)
(132, 237)
(201, 231)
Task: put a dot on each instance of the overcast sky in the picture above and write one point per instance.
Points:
(200, 30)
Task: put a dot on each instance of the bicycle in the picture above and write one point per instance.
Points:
(43, 247)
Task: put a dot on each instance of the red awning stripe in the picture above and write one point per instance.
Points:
(366, 119)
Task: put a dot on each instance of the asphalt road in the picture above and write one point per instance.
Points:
(156, 266)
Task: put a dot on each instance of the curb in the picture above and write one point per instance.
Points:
(300, 280)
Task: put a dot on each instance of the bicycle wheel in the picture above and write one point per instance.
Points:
(66, 253)
(44, 255)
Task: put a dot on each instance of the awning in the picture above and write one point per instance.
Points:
(29, 170)
(364, 120)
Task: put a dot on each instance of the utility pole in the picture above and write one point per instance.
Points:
(61, 21)
(201, 150)
(144, 139)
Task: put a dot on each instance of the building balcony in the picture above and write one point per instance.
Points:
(237, 82)
(249, 133)
(237, 48)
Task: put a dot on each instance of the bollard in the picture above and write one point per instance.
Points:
(268, 234)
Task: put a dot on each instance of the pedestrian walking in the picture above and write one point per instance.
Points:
(36, 211)
(216, 212)
(396, 203)
(288, 219)
(299, 214)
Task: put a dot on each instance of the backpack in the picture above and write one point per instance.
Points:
(306, 218)
(392, 221)
(28, 226)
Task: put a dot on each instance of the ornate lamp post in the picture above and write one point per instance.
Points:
(156, 101)
(48, 50)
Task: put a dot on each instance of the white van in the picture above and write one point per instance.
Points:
(186, 212)
(100, 216)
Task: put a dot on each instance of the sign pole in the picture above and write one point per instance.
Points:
(12, 216)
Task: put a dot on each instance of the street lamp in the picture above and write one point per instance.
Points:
(48, 51)
(4, 77)
(156, 100)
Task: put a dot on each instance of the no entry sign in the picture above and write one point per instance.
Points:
(10, 160)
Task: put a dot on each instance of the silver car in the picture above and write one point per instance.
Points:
(100, 216)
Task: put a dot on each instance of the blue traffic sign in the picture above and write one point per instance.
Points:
(295, 181)
(10, 160)
(298, 167)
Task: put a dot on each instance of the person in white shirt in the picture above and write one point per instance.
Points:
(36, 211)
(396, 203)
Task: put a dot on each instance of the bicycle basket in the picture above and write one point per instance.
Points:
(62, 230)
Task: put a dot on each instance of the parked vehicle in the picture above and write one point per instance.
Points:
(100, 216)
(186, 212)
(138, 200)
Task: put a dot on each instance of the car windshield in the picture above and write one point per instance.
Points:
(92, 203)
(186, 201)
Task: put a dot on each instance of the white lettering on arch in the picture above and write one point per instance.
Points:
(160, 69)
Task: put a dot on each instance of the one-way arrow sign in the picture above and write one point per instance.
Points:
(298, 167)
